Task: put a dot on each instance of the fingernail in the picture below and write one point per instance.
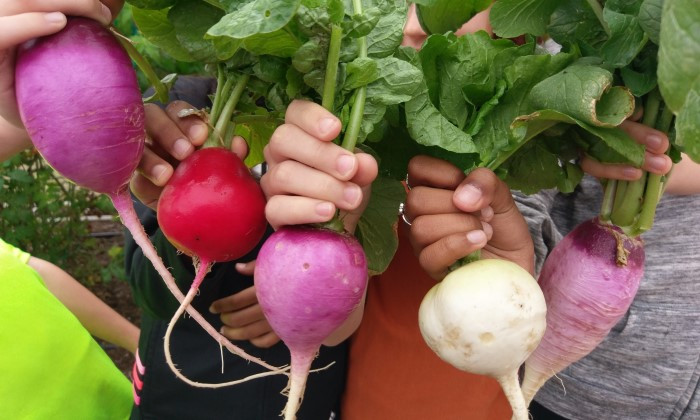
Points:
(159, 171)
(212, 309)
(55, 17)
(468, 194)
(326, 125)
(654, 141)
(198, 131)
(657, 163)
(324, 209)
(345, 164)
(488, 229)
(351, 195)
(182, 148)
(631, 173)
(240, 266)
(476, 236)
(106, 14)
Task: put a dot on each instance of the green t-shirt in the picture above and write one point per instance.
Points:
(50, 366)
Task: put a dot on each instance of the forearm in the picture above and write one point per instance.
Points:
(684, 178)
(96, 316)
(12, 140)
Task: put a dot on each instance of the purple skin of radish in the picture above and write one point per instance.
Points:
(589, 281)
(80, 102)
(308, 281)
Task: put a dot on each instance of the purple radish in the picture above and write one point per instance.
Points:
(589, 281)
(80, 102)
(308, 281)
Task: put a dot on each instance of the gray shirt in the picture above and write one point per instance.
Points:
(649, 365)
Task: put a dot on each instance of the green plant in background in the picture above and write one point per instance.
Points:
(162, 62)
(46, 216)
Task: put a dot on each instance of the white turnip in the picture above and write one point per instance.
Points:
(486, 318)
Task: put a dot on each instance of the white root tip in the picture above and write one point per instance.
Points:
(511, 387)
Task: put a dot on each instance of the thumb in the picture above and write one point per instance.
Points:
(480, 189)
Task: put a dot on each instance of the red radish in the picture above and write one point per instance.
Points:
(308, 281)
(212, 207)
(213, 210)
(80, 101)
(589, 281)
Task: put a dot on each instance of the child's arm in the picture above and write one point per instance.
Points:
(96, 316)
(684, 178)
(12, 140)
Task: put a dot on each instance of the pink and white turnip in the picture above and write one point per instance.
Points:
(308, 281)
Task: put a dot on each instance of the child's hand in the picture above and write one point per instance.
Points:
(242, 315)
(452, 216)
(309, 176)
(23, 20)
(655, 161)
(170, 140)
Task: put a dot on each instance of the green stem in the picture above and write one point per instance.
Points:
(331, 76)
(625, 212)
(352, 131)
(224, 120)
(219, 95)
(145, 66)
(655, 184)
(598, 10)
(608, 199)
(651, 108)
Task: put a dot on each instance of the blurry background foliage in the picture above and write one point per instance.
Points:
(54, 219)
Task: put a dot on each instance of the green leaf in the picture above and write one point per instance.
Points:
(361, 72)
(397, 82)
(650, 18)
(271, 69)
(679, 51)
(257, 134)
(308, 56)
(256, 17)
(640, 76)
(191, 20)
(535, 167)
(626, 149)
(512, 18)
(688, 124)
(626, 39)
(585, 93)
(362, 25)
(279, 43)
(377, 228)
(574, 22)
(152, 4)
(156, 28)
(442, 16)
(494, 140)
(387, 34)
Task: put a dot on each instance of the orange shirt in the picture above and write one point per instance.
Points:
(392, 374)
